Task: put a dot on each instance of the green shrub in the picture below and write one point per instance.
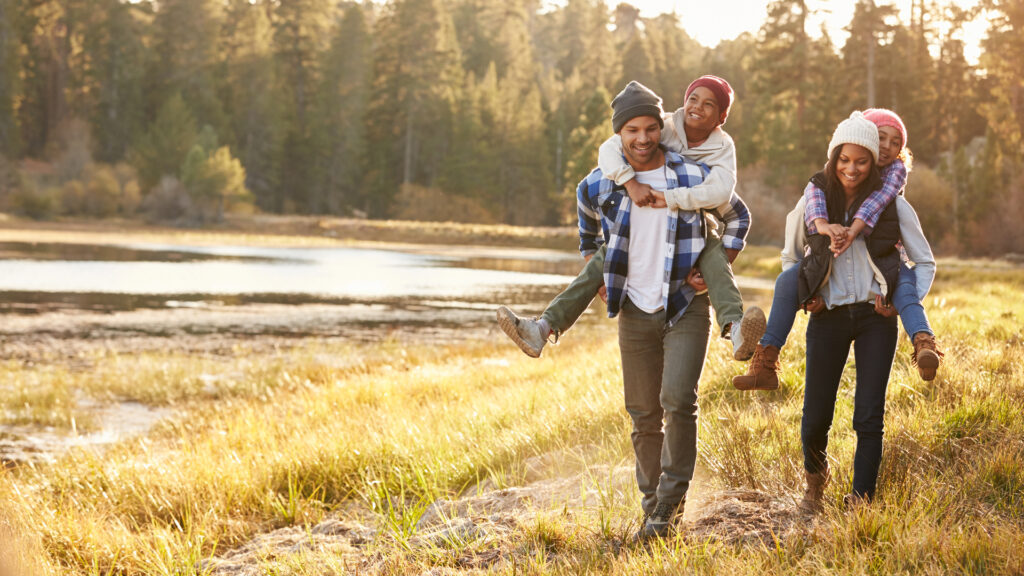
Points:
(36, 204)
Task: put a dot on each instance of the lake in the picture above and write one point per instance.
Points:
(57, 292)
(294, 274)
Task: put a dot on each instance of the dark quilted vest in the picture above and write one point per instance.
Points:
(881, 243)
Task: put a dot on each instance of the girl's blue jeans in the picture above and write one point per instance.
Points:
(785, 305)
(909, 305)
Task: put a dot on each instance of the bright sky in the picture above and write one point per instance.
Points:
(712, 21)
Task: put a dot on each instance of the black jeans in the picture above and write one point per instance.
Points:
(829, 334)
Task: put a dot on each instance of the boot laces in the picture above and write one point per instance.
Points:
(760, 360)
(925, 344)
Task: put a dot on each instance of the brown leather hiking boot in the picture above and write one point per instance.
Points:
(763, 372)
(814, 492)
(926, 356)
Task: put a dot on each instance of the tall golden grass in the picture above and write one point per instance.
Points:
(286, 439)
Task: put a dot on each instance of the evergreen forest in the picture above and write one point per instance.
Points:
(478, 110)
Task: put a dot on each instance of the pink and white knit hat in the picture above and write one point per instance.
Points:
(882, 117)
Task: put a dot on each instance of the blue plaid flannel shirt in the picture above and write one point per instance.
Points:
(894, 178)
(603, 210)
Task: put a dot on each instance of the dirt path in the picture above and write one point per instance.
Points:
(488, 519)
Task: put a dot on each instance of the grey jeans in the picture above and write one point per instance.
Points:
(660, 370)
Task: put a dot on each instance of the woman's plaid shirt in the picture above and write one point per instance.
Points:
(603, 211)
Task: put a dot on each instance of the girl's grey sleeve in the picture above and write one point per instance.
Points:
(916, 245)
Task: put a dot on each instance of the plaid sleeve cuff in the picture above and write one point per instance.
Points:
(733, 243)
(815, 206)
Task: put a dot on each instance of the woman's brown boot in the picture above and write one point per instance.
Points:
(926, 355)
(814, 492)
(763, 372)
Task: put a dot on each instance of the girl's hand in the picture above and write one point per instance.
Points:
(851, 235)
(840, 236)
(884, 309)
(835, 232)
(657, 199)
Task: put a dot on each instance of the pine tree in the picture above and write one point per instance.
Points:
(343, 101)
(163, 149)
(417, 74)
(186, 44)
(958, 120)
(592, 129)
(1002, 57)
(862, 52)
(10, 77)
(301, 29)
(585, 47)
(45, 38)
(794, 109)
(640, 65)
(909, 87)
(255, 119)
(524, 184)
(676, 59)
(113, 77)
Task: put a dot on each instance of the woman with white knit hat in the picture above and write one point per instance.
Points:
(842, 293)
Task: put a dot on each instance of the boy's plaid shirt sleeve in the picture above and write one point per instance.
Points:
(894, 178)
(815, 206)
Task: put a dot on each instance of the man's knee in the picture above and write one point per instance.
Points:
(679, 401)
(646, 421)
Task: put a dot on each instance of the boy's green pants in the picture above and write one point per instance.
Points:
(568, 306)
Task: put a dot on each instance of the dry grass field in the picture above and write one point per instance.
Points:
(328, 457)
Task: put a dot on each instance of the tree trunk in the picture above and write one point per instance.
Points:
(4, 87)
(871, 69)
(558, 159)
(407, 169)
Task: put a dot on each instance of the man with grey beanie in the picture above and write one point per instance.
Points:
(695, 132)
(649, 272)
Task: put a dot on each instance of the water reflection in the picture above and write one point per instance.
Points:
(109, 253)
(123, 277)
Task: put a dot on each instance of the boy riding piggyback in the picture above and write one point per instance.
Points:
(694, 131)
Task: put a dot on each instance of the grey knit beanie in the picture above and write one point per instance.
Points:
(635, 100)
(856, 130)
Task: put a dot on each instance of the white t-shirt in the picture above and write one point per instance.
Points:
(645, 280)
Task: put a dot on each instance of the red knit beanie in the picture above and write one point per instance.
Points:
(882, 117)
(719, 87)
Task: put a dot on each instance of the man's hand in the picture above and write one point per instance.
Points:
(696, 280)
(603, 293)
(815, 305)
(884, 309)
(640, 194)
(731, 254)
